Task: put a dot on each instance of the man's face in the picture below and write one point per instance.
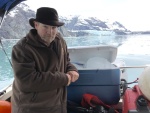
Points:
(46, 32)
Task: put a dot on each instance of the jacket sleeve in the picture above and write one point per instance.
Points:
(69, 66)
(27, 79)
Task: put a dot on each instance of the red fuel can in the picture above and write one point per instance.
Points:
(135, 102)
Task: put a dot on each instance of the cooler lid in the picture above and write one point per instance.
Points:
(81, 54)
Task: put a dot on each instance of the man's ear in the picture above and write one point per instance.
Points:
(35, 24)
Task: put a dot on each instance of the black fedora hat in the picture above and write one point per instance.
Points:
(46, 15)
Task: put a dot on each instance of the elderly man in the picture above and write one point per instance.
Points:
(42, 67)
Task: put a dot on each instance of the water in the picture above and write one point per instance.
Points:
(134, 50)
(6, 73)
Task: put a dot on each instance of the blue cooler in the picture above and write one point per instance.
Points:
(103, 83)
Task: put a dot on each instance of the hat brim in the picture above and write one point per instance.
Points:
(52, 23)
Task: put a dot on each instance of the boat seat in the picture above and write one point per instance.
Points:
(98, 63)
(103, 83)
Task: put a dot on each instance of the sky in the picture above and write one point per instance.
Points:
(133, 14)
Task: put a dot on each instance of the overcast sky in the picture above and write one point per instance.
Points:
(133, 14)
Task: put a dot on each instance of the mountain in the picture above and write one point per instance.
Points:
(16, 24)
(90, 23)
(78, 23)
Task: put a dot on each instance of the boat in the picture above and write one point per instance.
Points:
(103, 78)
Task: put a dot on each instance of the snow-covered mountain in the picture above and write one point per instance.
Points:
(16, 24)
(91, 23)
(79, 24)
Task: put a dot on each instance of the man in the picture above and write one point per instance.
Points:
(42, 67)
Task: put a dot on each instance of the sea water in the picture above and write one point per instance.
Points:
(133, 49)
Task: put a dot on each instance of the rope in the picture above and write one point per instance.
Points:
(5, 53)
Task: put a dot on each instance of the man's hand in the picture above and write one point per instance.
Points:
(69, 79)
(74, 75)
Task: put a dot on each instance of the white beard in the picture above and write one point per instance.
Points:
(47, 41)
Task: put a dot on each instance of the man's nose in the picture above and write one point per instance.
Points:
(50, 30)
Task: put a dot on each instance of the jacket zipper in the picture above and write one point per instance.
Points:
(34, 97)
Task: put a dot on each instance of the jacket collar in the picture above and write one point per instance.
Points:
(34, 39)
